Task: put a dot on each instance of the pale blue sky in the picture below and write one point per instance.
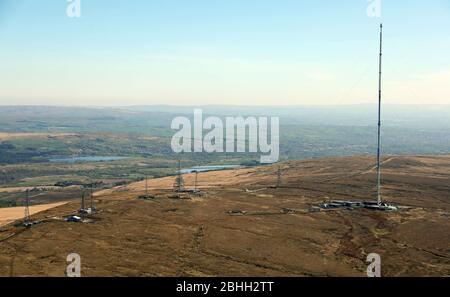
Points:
(248, 52)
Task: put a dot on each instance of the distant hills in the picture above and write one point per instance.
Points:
(306, 131)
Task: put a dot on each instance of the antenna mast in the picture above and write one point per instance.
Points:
(146, 185)
(179, 181)
(27, 207)
(379, 120)
(279, 177)
(92, 195)
(195, 182)
(83, 205)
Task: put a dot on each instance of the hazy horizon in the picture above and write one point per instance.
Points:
(219, 105)
(194, 53)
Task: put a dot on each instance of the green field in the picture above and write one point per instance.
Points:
(143, 135)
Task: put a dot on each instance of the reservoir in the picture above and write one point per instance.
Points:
(87, 159)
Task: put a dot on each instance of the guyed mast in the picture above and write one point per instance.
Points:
(379, 119)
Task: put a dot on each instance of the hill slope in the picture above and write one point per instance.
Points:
(198, 236)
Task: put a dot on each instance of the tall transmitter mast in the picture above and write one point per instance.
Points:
(379, 120)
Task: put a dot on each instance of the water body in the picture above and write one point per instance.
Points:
(87, 159)
(209, 168)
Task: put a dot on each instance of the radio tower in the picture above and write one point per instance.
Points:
(83, 204)
(92, 196)
(379, 120)
(195, 181)
(146, 185)
(27, 208)
(179, 181)
(279, 177)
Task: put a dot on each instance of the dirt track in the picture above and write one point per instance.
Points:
(197, 237)
(11, 214)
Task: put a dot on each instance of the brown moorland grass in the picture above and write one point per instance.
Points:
(166, 236)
